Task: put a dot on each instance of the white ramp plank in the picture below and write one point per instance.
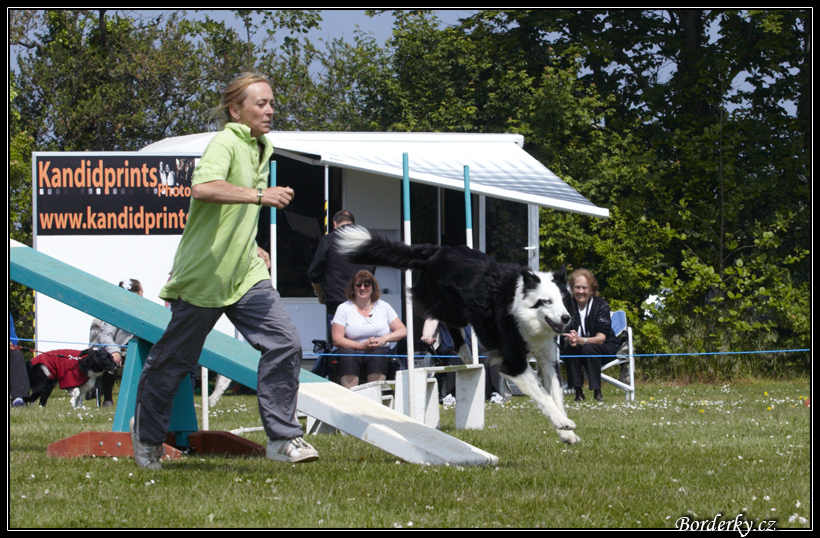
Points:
(386, 429)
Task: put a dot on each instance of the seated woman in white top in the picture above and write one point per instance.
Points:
(362, 330)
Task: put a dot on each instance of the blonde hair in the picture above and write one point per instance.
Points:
(233, 95)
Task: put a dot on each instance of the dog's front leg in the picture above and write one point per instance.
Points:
(530, 385)
(222, 384)
(552, 382)
(78, 393)
(77, 397)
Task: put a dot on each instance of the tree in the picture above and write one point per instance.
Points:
(21, 302)
(643, 112)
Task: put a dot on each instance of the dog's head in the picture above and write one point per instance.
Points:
(95, 362)
(543, 301)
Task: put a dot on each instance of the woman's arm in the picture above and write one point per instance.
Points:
(107, 337)
(398, 331)
(337, 332)
(222, 192)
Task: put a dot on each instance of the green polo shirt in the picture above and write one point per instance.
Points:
(216, 262)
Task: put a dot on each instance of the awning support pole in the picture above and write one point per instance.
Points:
(408, 280)
(468, 211)
(272, 182)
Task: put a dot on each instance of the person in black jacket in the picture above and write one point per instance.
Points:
(329, 272)
(589, 337)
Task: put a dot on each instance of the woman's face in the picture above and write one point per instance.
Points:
(364, 290)
(580, 290)
(256, 110)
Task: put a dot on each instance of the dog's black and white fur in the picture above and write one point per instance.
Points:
(92, 363)
(516, 313)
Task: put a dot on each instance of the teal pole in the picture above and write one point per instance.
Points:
(468, 206)
(468, 210)
(408, 280)
(272, 181)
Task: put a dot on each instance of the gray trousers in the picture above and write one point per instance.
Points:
(261, 318)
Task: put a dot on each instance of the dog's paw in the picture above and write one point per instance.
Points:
(563, 424)
(568, 437)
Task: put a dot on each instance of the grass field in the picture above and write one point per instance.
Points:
(709, 453)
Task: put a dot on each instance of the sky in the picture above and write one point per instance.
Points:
(343, 22)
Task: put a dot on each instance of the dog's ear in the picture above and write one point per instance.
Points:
(560, 275)
(531, 280)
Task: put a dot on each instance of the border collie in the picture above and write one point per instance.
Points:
(76, 371)
(516, 313)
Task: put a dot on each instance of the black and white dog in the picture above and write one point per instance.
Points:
(75, 371)
(516, 313)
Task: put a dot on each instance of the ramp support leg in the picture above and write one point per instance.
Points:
(183, 416)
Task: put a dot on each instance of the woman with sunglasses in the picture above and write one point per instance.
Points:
(363, 329)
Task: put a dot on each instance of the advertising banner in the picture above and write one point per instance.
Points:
(111, 194)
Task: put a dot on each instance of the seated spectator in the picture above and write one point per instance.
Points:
(113, 340)
(363, 329)
(589, 335)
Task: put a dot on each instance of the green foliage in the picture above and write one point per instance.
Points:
(21, 144)
(755, 304)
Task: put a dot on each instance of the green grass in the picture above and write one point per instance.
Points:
(695, 450)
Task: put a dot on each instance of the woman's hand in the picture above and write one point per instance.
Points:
(278, 197)
(573, 339)
(375, 342)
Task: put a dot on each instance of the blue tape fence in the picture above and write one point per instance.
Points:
(636, 355)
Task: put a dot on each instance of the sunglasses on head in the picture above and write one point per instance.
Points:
(363, 284)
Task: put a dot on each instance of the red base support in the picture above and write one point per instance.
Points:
(118, 444)
(208, 442)
(110, 444)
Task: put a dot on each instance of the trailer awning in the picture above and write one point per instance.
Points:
(499, 167)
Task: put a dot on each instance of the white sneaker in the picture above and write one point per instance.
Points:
(448, 401)
(147, 456)
(496, 398)
(295, 450)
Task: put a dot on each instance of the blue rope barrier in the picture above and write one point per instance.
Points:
(79, 344)
(636, 355)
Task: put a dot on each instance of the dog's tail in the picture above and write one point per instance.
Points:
(359, 246)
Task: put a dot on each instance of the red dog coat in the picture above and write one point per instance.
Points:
(64, 364)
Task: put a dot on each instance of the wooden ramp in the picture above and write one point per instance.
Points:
(325, 401)
(385, 428)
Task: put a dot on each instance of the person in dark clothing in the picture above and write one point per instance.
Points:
(329, 272)
(19, 387)
(589, 335)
